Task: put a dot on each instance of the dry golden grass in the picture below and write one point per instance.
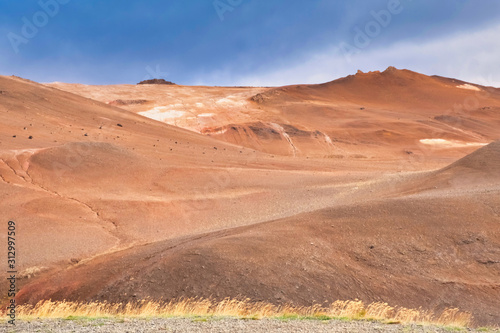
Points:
(237, 308)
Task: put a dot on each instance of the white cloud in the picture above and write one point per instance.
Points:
(469, 56)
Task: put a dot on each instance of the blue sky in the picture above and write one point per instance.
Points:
(246, 42)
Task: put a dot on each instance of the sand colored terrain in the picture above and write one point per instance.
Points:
(367, 115)
(113, 205)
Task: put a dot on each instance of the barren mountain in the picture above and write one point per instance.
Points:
(376, 186)
(376, 114)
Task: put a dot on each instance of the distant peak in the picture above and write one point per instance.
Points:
(391, 69)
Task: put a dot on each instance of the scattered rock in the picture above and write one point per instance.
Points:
(202, 324)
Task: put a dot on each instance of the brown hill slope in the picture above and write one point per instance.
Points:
(381, 115)
(82, 178)
(480, 167)
(59, 152)
(433, 251)
(485, 160)
(115, 206)
(474, 172)
(402, 89)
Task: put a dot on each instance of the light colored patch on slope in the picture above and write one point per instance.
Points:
(469, 87)
(31, 151)
(328, 139)
(206, 115)
(162, 113)
(285, 135)
(219, 132)
(231, 101)
(16, 153)
(451, 143)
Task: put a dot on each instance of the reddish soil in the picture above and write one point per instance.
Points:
(250, 198)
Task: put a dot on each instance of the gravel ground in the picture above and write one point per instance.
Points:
(210, 325)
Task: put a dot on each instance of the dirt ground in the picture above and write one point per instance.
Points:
(303, 194)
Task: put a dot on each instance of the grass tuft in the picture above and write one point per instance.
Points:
(202, 309)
